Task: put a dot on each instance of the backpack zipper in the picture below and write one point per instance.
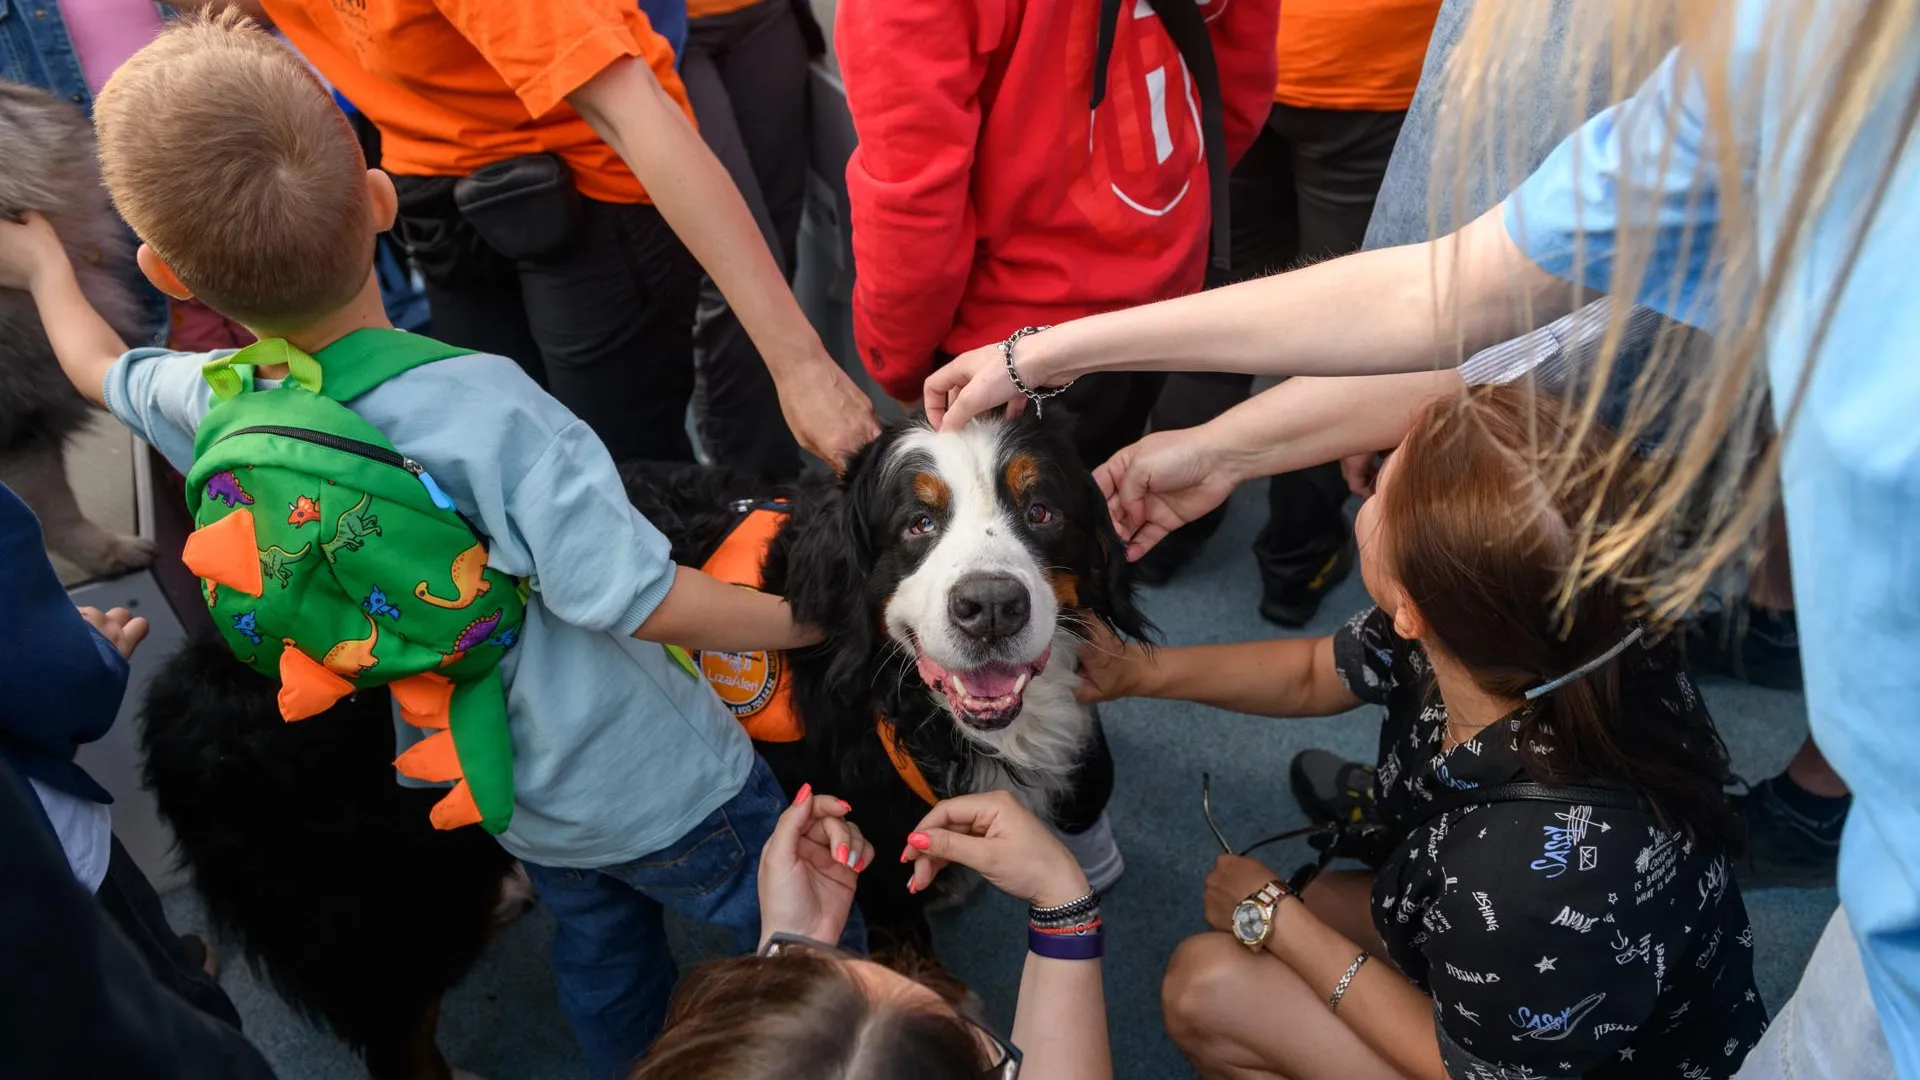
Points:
(361, 449)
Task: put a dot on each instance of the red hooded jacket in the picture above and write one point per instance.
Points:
(986, 197)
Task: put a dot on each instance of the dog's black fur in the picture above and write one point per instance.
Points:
(329, 877)
(324, 871)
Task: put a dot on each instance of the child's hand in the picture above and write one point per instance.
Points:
(27, 250)
(122, 629)
(1110, 669)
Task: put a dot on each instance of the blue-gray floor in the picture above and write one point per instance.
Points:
(503, 1023)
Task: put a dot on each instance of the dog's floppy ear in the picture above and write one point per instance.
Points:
(829, 562)
(1110, 591)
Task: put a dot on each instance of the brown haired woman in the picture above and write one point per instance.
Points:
(1517, 938)
(802, 1009)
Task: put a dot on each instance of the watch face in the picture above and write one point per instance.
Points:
(1249, 921)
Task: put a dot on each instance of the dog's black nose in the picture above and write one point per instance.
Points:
(988, 606)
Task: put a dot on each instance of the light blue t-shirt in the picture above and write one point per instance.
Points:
(617, 750)
(1851, 474)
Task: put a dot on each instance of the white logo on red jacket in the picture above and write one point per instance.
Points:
(1145, 152)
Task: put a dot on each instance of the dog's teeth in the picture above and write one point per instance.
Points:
(958, 686)
(1020, 684)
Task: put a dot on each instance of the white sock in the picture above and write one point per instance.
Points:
(1097, 853)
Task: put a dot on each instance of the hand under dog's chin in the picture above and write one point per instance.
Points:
(986, 697)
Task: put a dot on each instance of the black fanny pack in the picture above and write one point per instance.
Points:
(523, 207)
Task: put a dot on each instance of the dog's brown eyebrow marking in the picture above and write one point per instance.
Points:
(931, 490)
(1022, 473)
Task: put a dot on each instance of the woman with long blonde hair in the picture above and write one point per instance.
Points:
(1758, 180)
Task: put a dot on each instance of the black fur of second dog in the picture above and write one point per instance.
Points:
(322, 869)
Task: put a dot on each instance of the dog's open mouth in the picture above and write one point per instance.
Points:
(988, 697)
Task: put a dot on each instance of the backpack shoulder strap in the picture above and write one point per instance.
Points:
(1527, 791)
(366, 358)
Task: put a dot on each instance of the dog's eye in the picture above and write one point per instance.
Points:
(920, 524)
(1039, 514)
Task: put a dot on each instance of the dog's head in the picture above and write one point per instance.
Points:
(974, 554)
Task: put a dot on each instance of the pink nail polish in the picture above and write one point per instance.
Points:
(844, 804)
(840, 854)
(919, 841)
(806, 792)
(913, 886)
(906, 853)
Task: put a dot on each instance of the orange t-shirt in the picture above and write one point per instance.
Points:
(1353, 54)
(457, 84)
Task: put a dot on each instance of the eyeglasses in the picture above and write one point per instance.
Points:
(1006, 1056)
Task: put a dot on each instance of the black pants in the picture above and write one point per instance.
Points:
(606, 324)
(1302, 193)
(129, 900)
(746, 77)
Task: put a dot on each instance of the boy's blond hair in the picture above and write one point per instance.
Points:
(229, 158)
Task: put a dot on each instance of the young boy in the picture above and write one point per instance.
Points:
(633, 786)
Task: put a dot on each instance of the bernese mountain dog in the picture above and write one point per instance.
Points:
(956, 574)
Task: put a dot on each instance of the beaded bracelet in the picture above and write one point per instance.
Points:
(1069, 911)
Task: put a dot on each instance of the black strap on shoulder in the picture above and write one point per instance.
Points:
(1527, 791)
(1188, 30)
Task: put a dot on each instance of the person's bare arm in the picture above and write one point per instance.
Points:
(31, 258)
(704, 613)
(1310, 421)
(1060, 1020)
(629, 108)
(1400, 309)
(1284, 677)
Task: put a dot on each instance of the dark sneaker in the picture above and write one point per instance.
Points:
(1293, 604)
(1754, 644)
(1784, 846)
(1330, 788)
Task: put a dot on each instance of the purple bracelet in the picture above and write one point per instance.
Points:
(1066, 946)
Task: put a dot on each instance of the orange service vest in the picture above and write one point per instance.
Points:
(758, 686)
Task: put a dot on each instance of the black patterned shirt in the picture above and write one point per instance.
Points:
(1556, 940)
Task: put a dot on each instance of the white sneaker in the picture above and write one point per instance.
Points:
(1097, 853)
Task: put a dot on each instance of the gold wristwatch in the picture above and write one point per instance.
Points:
(1253, 918)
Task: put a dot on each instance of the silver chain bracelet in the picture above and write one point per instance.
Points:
(1340, 988)
(1035, 396)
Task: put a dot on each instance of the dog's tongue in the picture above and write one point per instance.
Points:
(992, 681)
(992, 692)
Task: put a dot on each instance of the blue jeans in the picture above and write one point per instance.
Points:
(610, 955)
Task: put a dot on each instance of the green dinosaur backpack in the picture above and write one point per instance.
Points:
(335, 563)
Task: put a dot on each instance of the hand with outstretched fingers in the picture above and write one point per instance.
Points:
(1160, 483)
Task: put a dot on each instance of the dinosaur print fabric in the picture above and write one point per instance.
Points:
(334, 563)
